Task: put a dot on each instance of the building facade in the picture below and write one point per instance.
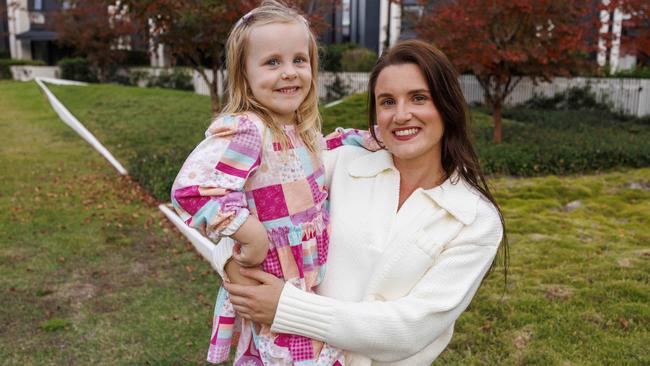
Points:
(372, 24)
(31, 33)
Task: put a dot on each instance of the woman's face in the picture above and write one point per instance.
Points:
(408, 121)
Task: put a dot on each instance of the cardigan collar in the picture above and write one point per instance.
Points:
(454, 195)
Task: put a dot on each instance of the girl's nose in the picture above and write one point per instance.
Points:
(289, 73)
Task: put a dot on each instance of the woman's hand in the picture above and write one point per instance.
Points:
(256, 303)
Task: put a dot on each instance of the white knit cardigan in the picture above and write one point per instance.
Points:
(396, 281)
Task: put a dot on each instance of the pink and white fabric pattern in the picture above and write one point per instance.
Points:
(239, 170)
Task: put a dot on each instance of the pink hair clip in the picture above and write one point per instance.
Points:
(246, 18)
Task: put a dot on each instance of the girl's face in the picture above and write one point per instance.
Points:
(408, 121)
(277, 67)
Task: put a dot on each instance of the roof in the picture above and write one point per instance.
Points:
(37, 35)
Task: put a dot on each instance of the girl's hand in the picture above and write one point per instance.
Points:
(252, 243)
(250, 255)
(256, 303)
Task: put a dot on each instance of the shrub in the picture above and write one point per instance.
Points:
(358, 59)
(155, 169)
(539, 141)
(77, 68)
(126, 76)
(177, 79)
(5, 66)
(570, 99)
(542, 141)
(641, 72)
(332, 54)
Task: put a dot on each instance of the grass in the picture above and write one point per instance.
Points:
(579, 282)
(90, 271)
(86, 248)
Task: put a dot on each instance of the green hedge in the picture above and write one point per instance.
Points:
(77, 68)
(358, 60)
(154, 130)
(331, 55)
(563, 142)
(5, 66)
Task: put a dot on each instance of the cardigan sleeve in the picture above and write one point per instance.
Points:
(208, 192)
(392, 330)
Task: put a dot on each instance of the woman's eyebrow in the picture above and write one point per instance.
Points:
(384, 95)
(420, 91)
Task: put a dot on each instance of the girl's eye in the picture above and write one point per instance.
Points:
(273, 62)
(299, 60)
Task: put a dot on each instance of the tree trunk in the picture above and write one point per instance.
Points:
(496, 116)
(214, 90)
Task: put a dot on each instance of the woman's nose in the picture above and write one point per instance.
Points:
(402, 115)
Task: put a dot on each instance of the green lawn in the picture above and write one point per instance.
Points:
(90, 274)
(90, 271)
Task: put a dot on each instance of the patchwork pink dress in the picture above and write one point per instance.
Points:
(239, 170)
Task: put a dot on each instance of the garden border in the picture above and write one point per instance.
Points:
(202, 245)
(69, 119)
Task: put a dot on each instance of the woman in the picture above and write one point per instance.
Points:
(414, 227)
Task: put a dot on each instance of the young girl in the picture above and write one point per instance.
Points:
(258, 178)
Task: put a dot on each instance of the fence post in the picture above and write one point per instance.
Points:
(643, 109)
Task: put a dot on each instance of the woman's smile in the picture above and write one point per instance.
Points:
(406, 133)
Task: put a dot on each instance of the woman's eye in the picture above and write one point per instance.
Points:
(387, 102)
(419, 98)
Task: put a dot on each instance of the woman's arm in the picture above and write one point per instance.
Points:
(386, 330)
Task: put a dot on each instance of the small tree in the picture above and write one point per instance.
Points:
(196, 31)
(96, 29)
(502, 41)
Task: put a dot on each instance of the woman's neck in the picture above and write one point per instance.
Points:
(417, 175)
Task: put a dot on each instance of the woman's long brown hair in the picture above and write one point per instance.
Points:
(458, 153)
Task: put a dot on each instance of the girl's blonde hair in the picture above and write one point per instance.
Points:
(239, 95)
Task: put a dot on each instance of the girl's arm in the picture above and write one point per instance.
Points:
(385, 330)
(208, 191)
(351, 137)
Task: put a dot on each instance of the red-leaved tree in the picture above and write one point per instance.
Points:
(196, 30)
(501, 41)
(100, 30)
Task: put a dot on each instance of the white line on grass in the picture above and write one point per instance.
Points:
(214, 254)
(68, 118)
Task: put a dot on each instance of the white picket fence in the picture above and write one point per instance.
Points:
(630, 96)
